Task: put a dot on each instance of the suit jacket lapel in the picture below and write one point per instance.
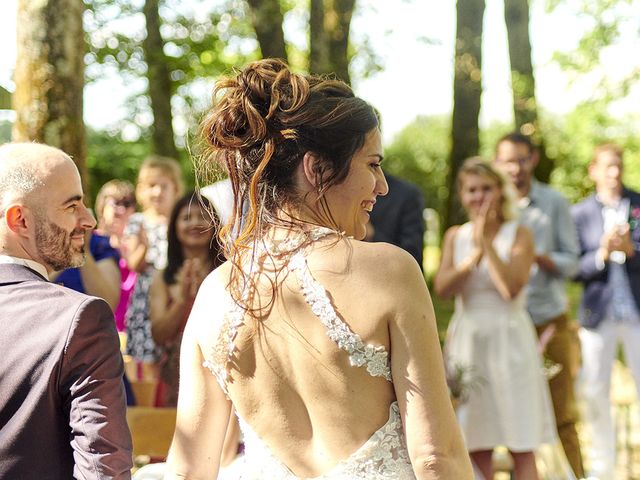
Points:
(598, 220)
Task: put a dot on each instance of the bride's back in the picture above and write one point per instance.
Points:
(309, 372)
(293, 384)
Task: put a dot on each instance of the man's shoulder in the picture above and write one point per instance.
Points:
(633, 195)
(584, 204)
(41, 306)
(50, 297)
(585, 208)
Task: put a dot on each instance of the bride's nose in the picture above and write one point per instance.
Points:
(382, 187)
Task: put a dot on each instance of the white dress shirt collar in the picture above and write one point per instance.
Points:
(32, 264)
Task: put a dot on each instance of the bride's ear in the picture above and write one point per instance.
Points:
(311, 167)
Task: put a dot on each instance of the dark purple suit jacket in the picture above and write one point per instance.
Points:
(597, 295)
(62, 404)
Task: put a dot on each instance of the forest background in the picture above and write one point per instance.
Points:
(111, 81)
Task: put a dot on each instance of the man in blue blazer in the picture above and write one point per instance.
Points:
(608, 225)
(397, 217)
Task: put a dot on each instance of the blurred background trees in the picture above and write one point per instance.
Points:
(49, 77)
(168, 53)
(467, 90)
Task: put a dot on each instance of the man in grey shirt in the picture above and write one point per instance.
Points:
(546, 213)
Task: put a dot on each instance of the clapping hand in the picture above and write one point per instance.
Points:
(482, 223)
(189, 279)
(545, 263)
(481, 230)
(617, 239)
(142, 237)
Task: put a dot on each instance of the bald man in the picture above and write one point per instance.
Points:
(62, 404)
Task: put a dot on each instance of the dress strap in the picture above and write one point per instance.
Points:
(222, 352)
(375, 358)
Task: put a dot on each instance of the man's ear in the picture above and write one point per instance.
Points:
(535, 158)
(15, 218)
(311, 167)
(591, 171)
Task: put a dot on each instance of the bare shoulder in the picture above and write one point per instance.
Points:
(209, 307)
(388, 271)
(383, 258)
(450, 233)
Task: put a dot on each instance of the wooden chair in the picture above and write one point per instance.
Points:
(144, 391)
(151, 432)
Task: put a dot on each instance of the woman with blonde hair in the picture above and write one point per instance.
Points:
(325, 345)
(158, 187)
(485, 265)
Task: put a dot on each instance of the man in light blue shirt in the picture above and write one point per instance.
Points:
(546, 213)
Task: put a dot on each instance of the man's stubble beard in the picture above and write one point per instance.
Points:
(54, 246)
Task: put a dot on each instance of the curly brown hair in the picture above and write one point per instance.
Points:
(262, 123)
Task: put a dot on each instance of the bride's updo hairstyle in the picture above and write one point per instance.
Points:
(262, 123)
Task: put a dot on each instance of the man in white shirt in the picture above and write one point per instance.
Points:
(608, 225)
(62, 406)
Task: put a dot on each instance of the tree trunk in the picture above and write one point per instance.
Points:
(337, 20)
(160, 88)
(467, 88)
(516, 15)
(49, 77)
(267, 19)
(318, 42)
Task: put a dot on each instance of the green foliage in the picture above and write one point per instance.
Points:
(603, 21)
(419, 154)
(5, 98)
(572, 138)
(490, 135)
(198, 44)
(109, 157)
(5, 131)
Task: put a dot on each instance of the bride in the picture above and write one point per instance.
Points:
(326, 346)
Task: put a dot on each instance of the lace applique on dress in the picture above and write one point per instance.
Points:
(223, 349)
(375, 358)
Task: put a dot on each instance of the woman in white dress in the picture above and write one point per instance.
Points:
(325, 345)
(486, 264)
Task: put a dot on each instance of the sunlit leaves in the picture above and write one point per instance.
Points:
(604, 22)
(419, 154)
(572, 138)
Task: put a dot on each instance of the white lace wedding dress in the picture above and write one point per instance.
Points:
(384, 455)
